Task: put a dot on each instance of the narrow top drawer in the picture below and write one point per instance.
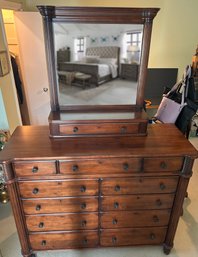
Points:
(101, 166)
(34, 168)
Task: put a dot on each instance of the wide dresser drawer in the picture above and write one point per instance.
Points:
(141, 185)
(134, 202)
(133, 236)
(100, 128)
(64, 204)
(58, 188)
(101, 166)
(64, 240)
(127, 219)
(71, 221)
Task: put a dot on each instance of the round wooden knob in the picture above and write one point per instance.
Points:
(163, 165)
(114, 221)
(83, 206)
(125, 166)
(38, 207)
(117, 188)
(35, 169)
(35, 191)
(83, 189)
(114, 240)
(75, 129)
(116, 205)
(162, 186)
(41, 225)
(43, 243)
(75, 167)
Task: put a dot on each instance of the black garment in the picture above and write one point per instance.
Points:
(17, 79)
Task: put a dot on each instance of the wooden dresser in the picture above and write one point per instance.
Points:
(105, 191)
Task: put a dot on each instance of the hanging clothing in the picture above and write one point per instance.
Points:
(17, 79)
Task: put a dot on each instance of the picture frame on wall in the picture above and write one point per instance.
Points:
(4, 63)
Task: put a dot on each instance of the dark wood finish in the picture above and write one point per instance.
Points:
(23, 169)
(137, 202)
(74, 221)
(96, 191)
(66, 204)
(52, 241)
(61, 188)
(139, 185)
(131, 122)
(111, 165)
(134, 236)
(103, 15)
(129, 71)
(127, 219)
(99, 15)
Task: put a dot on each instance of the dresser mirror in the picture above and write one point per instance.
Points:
(80, 39)
(94, 62)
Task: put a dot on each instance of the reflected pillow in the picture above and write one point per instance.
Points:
(108, 61)
(92, 59)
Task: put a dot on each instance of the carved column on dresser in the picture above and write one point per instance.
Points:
(185, 175)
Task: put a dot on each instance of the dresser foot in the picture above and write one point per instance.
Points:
(167, 249)
(30, 255)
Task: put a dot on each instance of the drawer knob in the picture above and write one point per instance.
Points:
(75, 129)
(41, 225)
(35, 169)
(123, 129)
(158, 202)
(43, 243)
(117, 188)
(152, 236)
(38, 207)
(163, 165)
(83, 189)
(114, 240)
(75, 167)
(155, 218)
(83, 206)
(85, 241)
(35, 191)
(83, 223)
(126, 166)
(162, 186)
(116, 205)
(114, 221)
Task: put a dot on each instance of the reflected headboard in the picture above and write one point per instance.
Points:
(104, 52)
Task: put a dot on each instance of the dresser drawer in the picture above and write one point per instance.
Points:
(102, 166)
(143, 185)
(99, 128)
(69, 204)
(45, 241)
(134, 236)
(127, 219)
(34, 168)
(163, 164)
(58, 188)
(72, 221)
(134, 202)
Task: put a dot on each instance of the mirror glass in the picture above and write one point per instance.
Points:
(97, 64)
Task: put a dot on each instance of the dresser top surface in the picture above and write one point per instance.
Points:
(33, 142)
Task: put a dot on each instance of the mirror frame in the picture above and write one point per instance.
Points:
(108, 15)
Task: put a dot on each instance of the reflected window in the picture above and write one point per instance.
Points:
(80, 44)
(134, 39)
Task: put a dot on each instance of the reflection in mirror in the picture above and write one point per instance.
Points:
(97, 64)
